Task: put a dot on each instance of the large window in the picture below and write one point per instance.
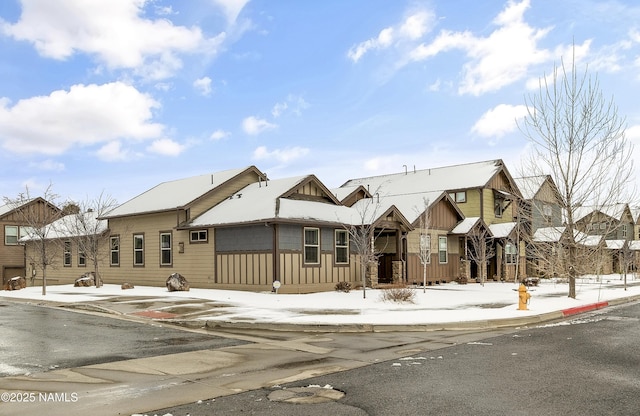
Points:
(138, 249)
(342, 247)
(311, 246)
(10, 235)
(442, 249)
(67, 254)
(510, 253)
(165, 249)
(115, 251)
(624, 230)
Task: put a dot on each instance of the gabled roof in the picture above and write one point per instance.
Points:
(502, 230)
(267, 201)
(9, 208)
(615, 211)
(346, 192)
(529, 186)
(466, 225)
(466, 176)
(176, 194)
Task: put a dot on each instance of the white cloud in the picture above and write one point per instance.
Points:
(48, 165)
(203, 85)
(166, 147)
(254, 126)
(114, 32)
(219, 135)
(84, 115)
(112, 152)
(499, 121)
(281, 155)
(294, 104)
(414, 27)
(232, 8)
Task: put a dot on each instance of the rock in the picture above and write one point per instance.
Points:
(126, 285)
(16, 283)
(177, 283)
(87, 279)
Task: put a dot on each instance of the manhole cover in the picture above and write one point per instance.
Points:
(306, 395)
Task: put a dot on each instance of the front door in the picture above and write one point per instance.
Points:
(385, 268)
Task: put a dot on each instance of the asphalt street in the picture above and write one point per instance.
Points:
(587, 365)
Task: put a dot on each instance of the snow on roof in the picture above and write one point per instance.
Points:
(554, 235)
(5, 209)
(472, 175)
(530, 185)
(548, 234)
(174, 194)
(465, 225)
(343, 192)
(261, 201)
(502, 230)
(612, 210)
(634, 245)
(411, 206)
(614, 244)
(72, 225)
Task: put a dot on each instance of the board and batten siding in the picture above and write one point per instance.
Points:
(436, 271)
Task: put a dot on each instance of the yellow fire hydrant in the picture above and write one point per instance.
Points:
(523, 298)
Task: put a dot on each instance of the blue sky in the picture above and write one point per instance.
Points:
(118, 96)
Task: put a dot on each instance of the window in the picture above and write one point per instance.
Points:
(342, 247)
(511, 253)
(311, 246)
(165, 249)
(82, 258)
(589, 227)
(624, 230)
(499, 206)
(459, 197)
(138, 250)
(547, 211)
(603, 225)
(198, 236)
(442, 249)
(10, 235)
(425, 247)
(115, 251)
(67, 254)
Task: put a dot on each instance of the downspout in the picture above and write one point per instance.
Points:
(276, 243)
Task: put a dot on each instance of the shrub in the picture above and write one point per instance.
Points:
(343, 287)
(399, 294)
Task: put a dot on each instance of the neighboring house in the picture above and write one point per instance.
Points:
(616, 224)
(539, 206)
(550, 245)
(73, 244)
(15, 219)
(485, 190)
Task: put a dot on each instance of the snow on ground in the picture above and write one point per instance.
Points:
(438, 304)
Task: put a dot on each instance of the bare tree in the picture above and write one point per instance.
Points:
(38, 215)
(91, 232)
(362, 238)
(424, 248)
(481, 250)
(577, 137)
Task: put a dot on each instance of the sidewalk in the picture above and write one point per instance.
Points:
(445, 307)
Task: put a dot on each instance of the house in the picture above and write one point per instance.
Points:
(74, 245)
(550, 247)
(540, 205)
(15, 220)
(616, 224)
(484, 190)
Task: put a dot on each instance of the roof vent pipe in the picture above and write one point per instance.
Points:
(212, 179)
(405, 169)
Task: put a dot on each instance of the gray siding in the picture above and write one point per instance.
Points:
(244, 239)
(290, 237)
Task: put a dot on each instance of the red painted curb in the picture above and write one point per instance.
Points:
(585, 308)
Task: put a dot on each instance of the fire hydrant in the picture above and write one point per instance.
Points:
(523, 297)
